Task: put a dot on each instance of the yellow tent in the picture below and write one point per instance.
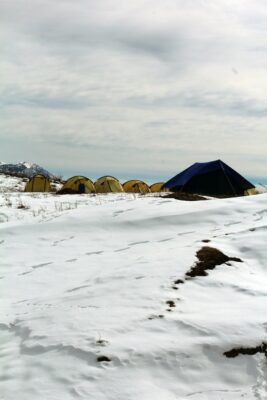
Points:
(158, 187)
(136, 186)
(79, 184)
(38, 183)
(250, 192)
(108, 184)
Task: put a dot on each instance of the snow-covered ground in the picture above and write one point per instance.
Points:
(11, 183)
(88, 276)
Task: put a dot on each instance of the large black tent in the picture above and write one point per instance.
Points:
(214, 178)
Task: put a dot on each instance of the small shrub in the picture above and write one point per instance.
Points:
(8, 201)
(22, 206)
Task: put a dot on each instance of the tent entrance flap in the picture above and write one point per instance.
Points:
(78, 184)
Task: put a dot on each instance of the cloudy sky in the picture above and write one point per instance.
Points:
(134, 89)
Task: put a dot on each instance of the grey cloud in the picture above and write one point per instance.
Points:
(126, 38)
(67, 28)
(220, 102)
(42, 100)
(144, 78)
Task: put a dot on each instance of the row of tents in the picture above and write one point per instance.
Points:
(213, 178)
(105, 184)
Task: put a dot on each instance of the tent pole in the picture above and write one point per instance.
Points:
(233, 189)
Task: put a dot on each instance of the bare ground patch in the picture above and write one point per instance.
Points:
(262, 348)
(209, 258)
(103, 359)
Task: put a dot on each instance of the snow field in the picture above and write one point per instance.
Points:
(88, 276)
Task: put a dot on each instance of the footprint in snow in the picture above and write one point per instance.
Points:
(164, 240)
(62, 240)
(41, 265)
(116, 213)
(94, 252)
(123, 249)
(164, 201)
(185, 233)
(77, 288)
(136, 243)
(232, 223)
(33, 267)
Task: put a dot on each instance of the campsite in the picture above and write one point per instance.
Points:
(213, 178)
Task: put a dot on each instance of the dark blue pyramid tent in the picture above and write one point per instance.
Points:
(214, 178)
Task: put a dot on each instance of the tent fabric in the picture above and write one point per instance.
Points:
(108, 184)
(136, 186)
(250, 192)
(214, 178)
(158, 187)
(38, 183)
(79, 184)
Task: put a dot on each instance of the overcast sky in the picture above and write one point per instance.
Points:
(141, 88)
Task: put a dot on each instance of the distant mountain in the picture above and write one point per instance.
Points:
(24, 169)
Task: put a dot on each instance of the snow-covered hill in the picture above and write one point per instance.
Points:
(24, 169)
(86, 279)
(11, 183)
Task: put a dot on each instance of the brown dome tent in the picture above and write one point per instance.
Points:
(38, 183)
(78, 184)
(158, 187)
(108, 184)
(136, 186)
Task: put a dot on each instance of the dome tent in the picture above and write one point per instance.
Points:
(78, 184)
(38, 183)
(136, 186)
(214, 178)
(158, 187)
(108, 184)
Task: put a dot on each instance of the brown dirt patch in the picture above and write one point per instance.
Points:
(262, 348)
(103, 358)
(209, 258)
(170, 303)
(178, 282)
(156, 316)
